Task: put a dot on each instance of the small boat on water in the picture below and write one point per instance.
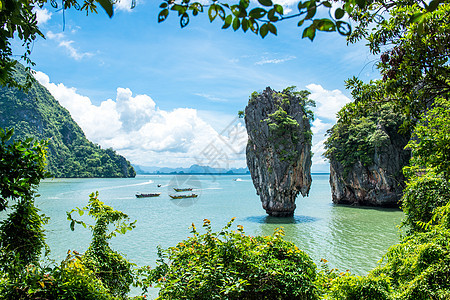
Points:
(182, 190)
(140, 195)
(183, 196)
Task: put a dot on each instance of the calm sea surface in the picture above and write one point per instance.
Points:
(348, 237)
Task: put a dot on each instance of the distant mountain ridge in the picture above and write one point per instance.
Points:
(37, 114)
(194, 169)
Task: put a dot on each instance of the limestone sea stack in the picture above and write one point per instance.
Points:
(279, 147)
(378, 184)
(367, 153)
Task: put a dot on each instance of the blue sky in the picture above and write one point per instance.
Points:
(159, 94)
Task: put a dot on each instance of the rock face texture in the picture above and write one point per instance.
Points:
(377, 184)
(279, 148)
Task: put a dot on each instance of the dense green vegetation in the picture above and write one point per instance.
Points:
(231, 265)
(359, 137)
(283, 126)
(416, 85)
(36, 114)
(281, 123)
(100, 273)
(109, 266)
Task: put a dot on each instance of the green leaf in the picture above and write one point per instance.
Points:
(302, 5)
(227, 22)
(236, 23)
(212, 12)
(254, 26)
(326, 25)
(163, 15)
(196, 7)
(311, 12)
(107, 6)
(420, 28)
(265, 2)
(184, 21)
(271, 15)
(272, 28)
(309, 32)
(343, 28)
(244, 3)
(361, 3)
(257, 13)
(279, 9)
(163, 5)
(326, 4)
(418, 17)
(339, 13)
(180, 9)
(245, 24)
(72, 225)
(220, 12)
(432, 5)
(235, 9)
(264, 30)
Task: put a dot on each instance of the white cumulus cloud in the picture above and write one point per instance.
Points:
(328, 102)
(147, 135)
(42, 15)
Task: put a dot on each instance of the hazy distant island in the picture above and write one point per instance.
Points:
(194, 169)
(37, 114)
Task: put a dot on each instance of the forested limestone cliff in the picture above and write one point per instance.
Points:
(279, 147)
(366, 154)
(36, 114)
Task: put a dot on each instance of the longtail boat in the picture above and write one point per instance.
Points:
(140, 195)
(182, 190)
(183, 196)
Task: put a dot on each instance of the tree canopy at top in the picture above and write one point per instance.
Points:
(18, 19)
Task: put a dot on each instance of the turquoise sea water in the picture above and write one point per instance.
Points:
(348, 237)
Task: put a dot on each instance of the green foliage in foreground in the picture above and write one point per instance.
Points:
(231, 265)
(359, 288)
(109, 266)
(69, 280)
(419, 267)
(21, 232)
(100, 273)
(430, 143)
(22, 237)
(22, 166)
(422, 196)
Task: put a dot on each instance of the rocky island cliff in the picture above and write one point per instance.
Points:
(366, 154)
(279, 147)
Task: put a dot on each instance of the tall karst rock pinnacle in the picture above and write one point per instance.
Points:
(279, 147)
